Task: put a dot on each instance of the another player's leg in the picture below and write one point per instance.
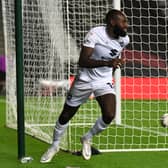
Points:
(60, 127)
(108, 104)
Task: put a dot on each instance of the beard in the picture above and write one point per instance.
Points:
(119, 31)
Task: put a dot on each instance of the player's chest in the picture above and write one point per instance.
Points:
(108, 49)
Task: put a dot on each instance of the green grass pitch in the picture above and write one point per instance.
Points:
(140, 123)
(35, 148)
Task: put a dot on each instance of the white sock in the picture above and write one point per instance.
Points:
(58, 132)
(98, 127)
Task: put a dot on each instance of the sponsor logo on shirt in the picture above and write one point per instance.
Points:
(113, 52)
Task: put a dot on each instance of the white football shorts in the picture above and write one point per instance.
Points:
(81, 90)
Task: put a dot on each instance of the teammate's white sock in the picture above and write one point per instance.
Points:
(98, 127)
(58, 132)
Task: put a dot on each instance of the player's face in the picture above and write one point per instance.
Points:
(120, 26)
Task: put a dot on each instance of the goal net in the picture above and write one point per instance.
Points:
(53, 33)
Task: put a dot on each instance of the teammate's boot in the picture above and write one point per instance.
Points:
(86, 149)
(49, 154)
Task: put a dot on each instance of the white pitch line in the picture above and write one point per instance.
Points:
(89, 124)
(146, 130)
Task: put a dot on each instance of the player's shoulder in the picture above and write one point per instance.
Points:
(98, 29)
(125, 40)
(93, 36)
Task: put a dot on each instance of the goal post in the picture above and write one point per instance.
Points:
(19, 79)
(117, 78)
(53, 32)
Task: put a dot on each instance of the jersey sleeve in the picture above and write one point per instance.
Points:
(126, 41)
(90, 39)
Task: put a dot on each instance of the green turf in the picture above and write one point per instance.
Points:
(34, 148)
(140, 118)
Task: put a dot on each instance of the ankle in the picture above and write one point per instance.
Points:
(85, 138)
(55, 144)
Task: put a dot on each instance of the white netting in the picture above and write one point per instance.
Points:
(144, 79)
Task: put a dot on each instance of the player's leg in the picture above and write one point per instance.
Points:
(60, 127)
(63, 121)
(108, 104)
(108, 107)
(78, 94)
(105, 95)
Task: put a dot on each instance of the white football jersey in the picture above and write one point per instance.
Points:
(105, 48)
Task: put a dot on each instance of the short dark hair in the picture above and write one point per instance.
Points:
(112, 14)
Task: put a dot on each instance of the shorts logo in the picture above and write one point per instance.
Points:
(69, 97)
(110, 84)
(87, 41)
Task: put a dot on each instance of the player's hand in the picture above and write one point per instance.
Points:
(116, 63)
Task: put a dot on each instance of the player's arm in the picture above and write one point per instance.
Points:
(86, 61)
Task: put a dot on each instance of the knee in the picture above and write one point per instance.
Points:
(108, 117)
